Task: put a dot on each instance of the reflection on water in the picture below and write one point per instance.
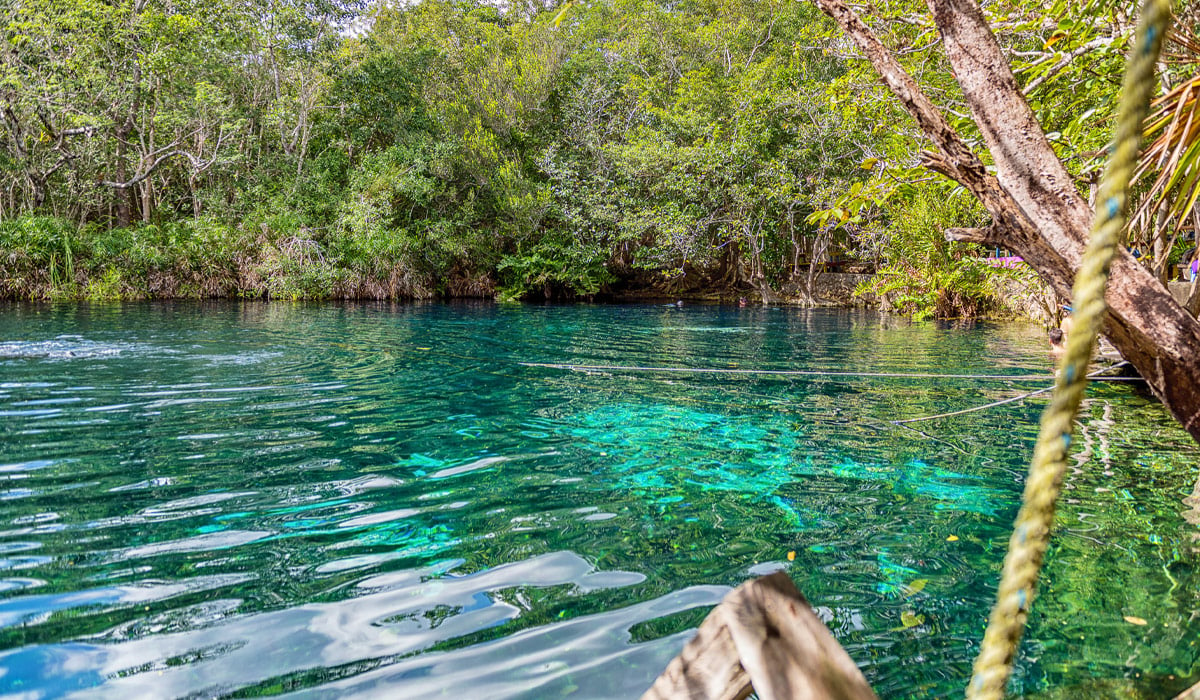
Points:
(208, 648)
(371, 500)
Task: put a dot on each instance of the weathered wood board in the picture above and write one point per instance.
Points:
(762, 638)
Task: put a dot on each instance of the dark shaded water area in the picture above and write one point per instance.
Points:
(365, 500)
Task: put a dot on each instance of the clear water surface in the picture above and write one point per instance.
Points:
(243, 499)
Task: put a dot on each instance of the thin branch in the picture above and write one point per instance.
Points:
(62, 160)
(14, 127)
(764, 42)
(198, 164)
(147, 172)
(958, 156)
(1066, 61)
(79, 130)
(987, 235)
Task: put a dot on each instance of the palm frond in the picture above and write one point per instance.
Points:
(1172, 157)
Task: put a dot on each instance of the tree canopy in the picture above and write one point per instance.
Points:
(340, 149)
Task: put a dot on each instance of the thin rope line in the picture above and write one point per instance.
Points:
(927, 436)
(804, 373)
(993, 404)
(1094, 376)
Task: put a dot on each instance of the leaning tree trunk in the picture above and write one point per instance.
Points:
(1035, 208)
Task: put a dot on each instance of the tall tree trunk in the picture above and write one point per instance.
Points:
(146, 187)
(127, 196)
(38, 185)
(1036, 210)
(147, 200)
(1161, 250)
(123, 195)
(195, 196)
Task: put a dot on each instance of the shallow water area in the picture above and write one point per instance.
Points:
(373, 500)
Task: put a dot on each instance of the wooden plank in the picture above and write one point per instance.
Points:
(1192, 693)
(763, 637)
(708, 667)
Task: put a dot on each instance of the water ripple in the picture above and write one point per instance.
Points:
(395, 614)
(376, 500)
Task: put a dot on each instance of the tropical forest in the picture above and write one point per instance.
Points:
(339, 150)
(599, 348)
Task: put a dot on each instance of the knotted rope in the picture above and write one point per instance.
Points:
(1031, 532)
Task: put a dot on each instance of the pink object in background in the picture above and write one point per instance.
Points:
(1011, 261)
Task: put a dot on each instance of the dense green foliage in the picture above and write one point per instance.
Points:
(928, 275)
(249, 147)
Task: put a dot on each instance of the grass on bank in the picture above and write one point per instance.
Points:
(53, 259)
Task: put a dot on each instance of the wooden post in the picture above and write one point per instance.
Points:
(762, 638)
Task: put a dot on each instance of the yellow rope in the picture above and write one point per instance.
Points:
(1031, 532)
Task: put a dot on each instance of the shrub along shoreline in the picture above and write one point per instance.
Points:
(49, 259)
(618, 149)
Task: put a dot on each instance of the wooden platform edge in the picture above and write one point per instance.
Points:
(763, 638)
(1192, 693)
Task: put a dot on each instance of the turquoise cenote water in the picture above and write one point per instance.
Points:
(233, 500)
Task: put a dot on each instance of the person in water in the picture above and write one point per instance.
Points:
(1058, 344)
(1068, 322)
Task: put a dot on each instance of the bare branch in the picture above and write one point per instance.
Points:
(766, 40)
(1065, 61)
(987, 235)
(14, 127)
(198, 164)
(1026, 166)
(79, 130)
(62, 160)
(956, 160)
(147, 172)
